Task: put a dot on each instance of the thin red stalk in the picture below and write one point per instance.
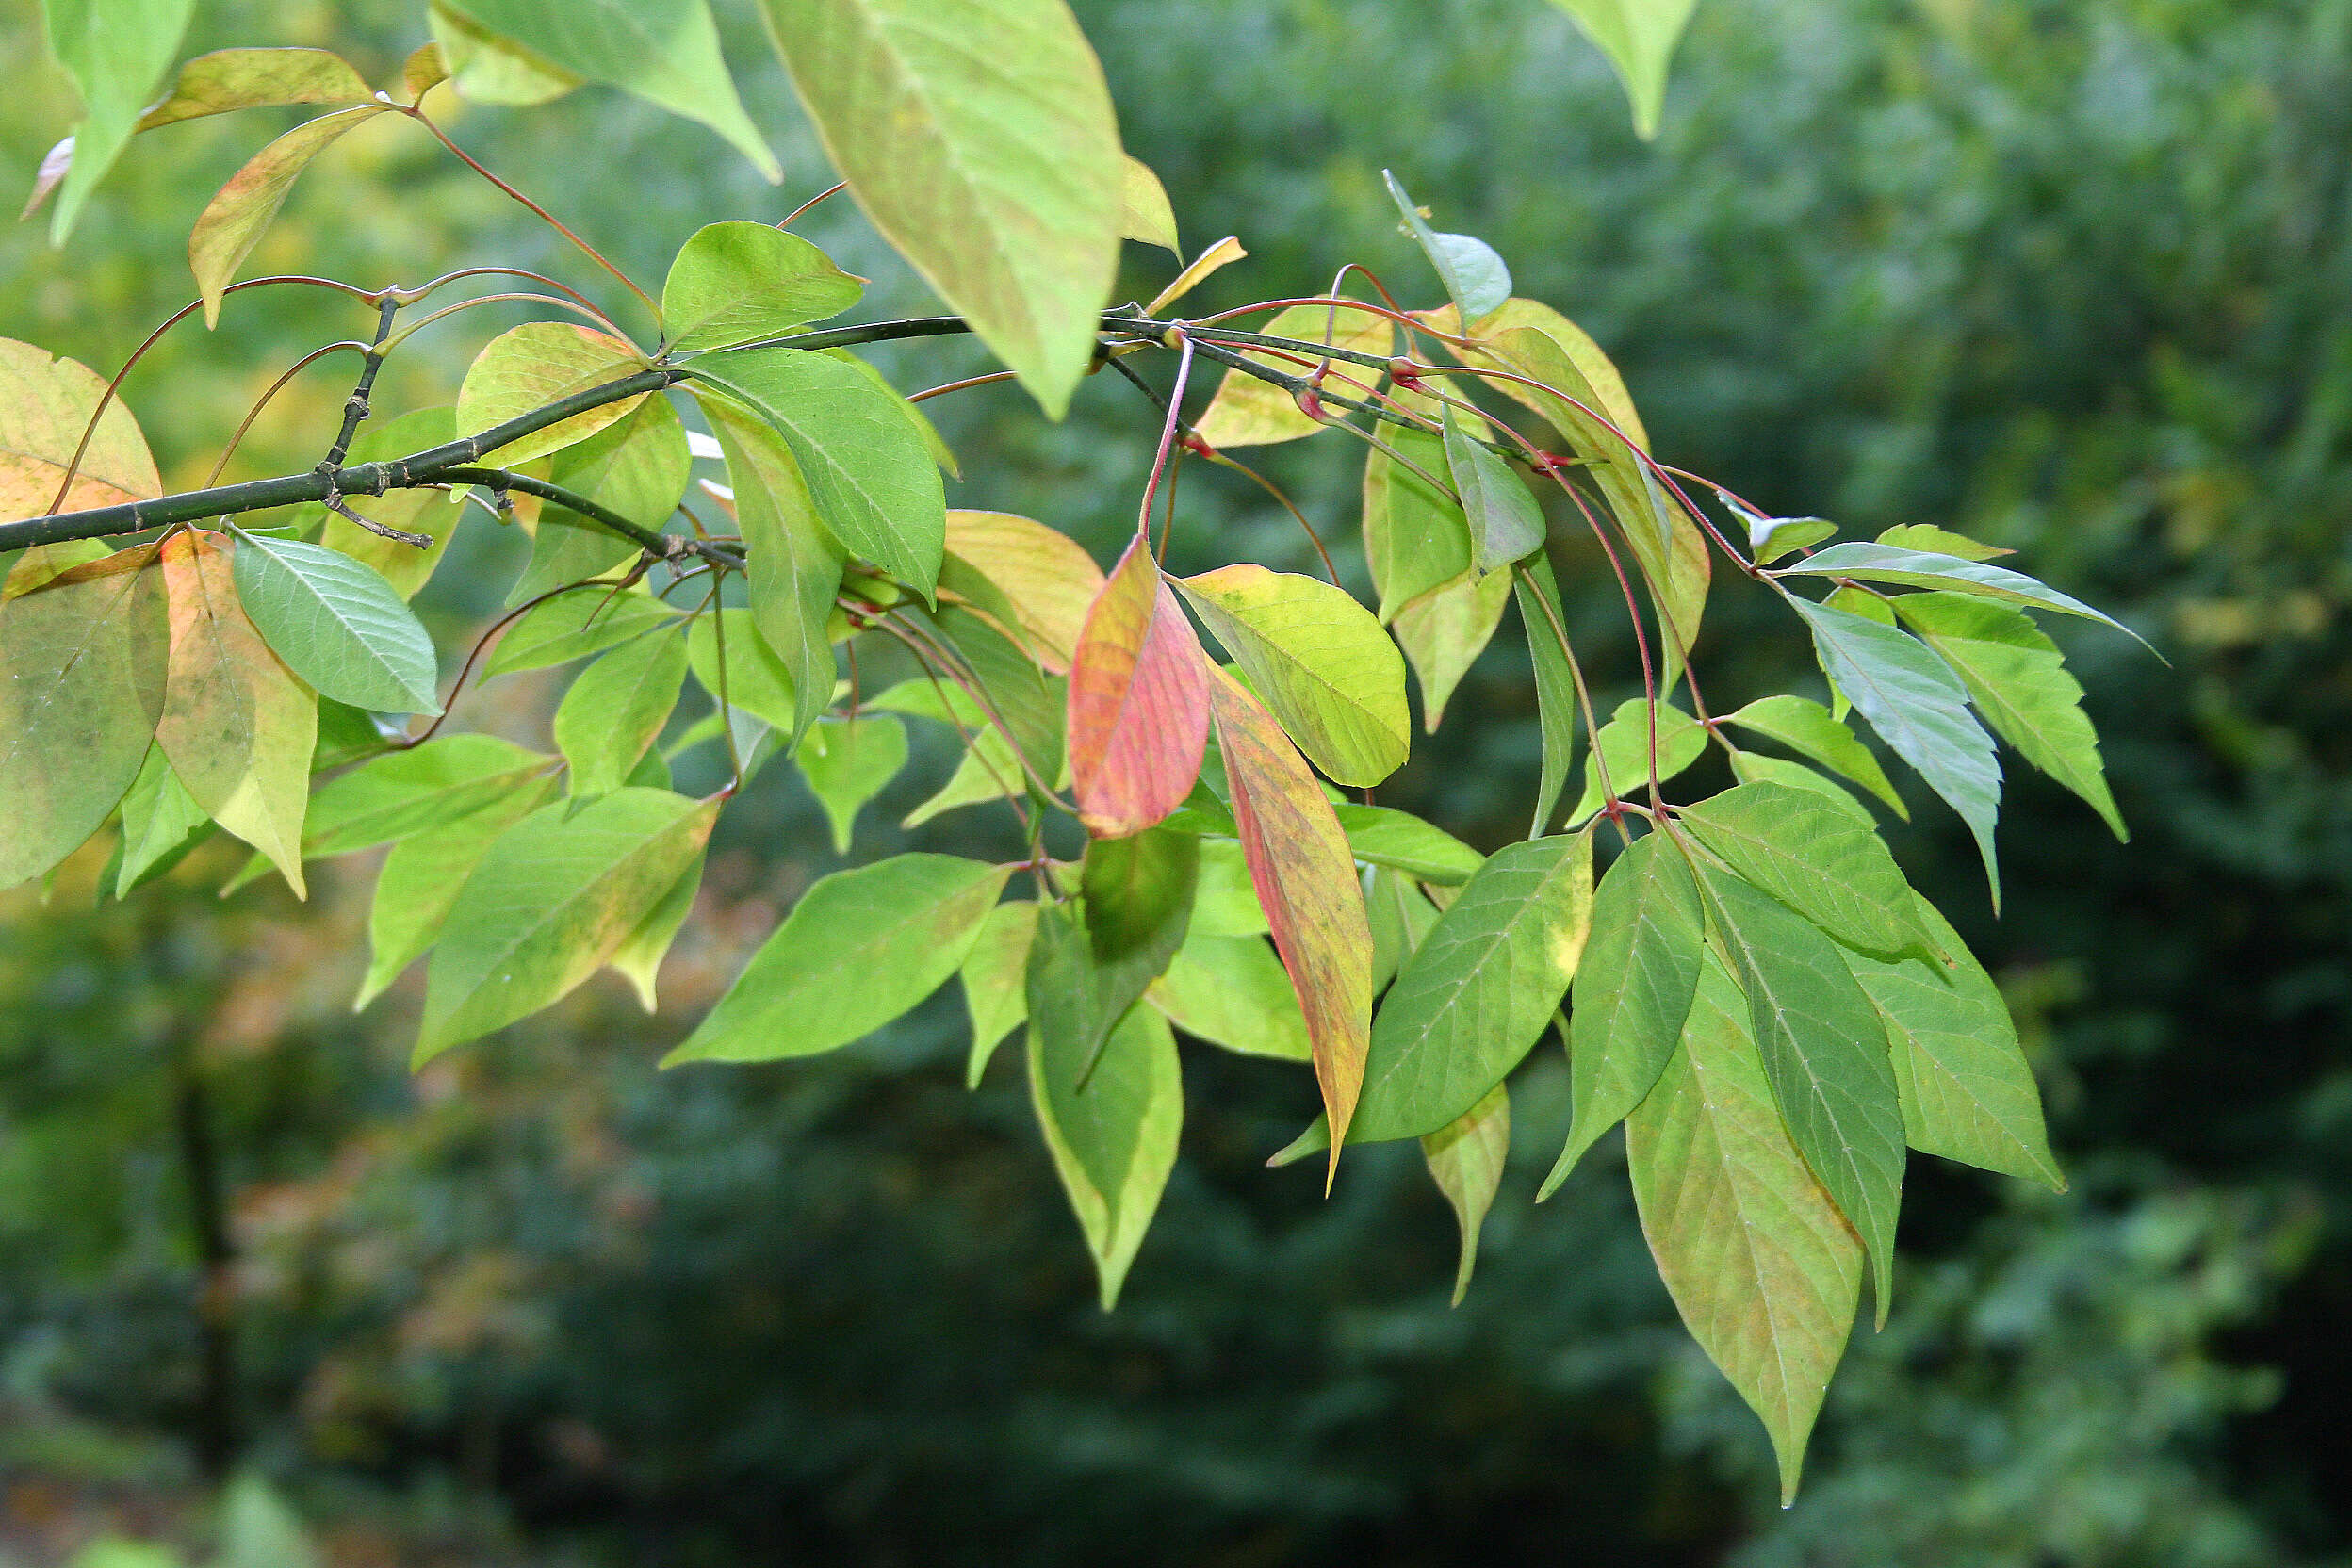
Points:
(417, 295)
(481, 645)
(1396, 316)
(275, 387)
(417, 326)
(1167, 434)
(1274, 490)
(785, 221)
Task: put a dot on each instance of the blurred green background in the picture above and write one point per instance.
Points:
(2070, 275)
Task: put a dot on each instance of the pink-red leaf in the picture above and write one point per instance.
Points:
(1306, 880)
(1139, 702)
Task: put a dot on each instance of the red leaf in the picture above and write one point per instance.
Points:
(1306, 879)
(1139, 702)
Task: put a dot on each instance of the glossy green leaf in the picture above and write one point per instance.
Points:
(230, 79)
(400, 793)
(82, 682)
(873, 484)
(751, 677)
(861, 948)
(116, 51)
(550, 902)
(1232, 991)
(1815, 858)
(978, 135)
(1638, 38)
(795, 569)
(1480, 991)
(1382, 836)
(736, 281)
(1825, 1054)
(1753, 767)
(1318, 660)
(430, 513)
(1951, 573)
(846, 763)
(242, 211)
(1968, 1091)
(1506, 524)
(1143, 211)
(1465, 1159)
(2020, 683)
(1443, 631)
(1415, 534)
(573, 625)
(615, 707)
(1111, 1120)
(1926, 536)
(1920, 708)
(337, 624)
(524, 369)
(663, 50)
(995, 975)
(1546, 628)
(1622, 749)
(424, 875)
(1632, 991)
(1763, 1269)
(1250, 410)
(1474, 277)
(159, 818)
(1806, 727)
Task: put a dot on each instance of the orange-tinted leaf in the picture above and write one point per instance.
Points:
(232, 224)
(46, 403)
(1139, 702)
(1306, 879)
(1048, 579)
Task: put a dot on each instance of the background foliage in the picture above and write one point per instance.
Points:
(2064, 275)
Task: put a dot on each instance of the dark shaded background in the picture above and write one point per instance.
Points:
(2069, 275)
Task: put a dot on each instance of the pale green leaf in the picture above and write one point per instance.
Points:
(736, 281)
(1113, 1140)
(795, 570)
(1638, 38)
(988, 771)
(1812, 857)
(751, 677)
(242, 211)
(637, 959)
(400, 793)
(1806, 727)
(1381, 836)
(1443, 631)
(1415, 535)
(1232, 991)
(116, 51)
(574, 625)
(538, 363)
(1474, 277)
(1143, 211)
(158, 820)
(615, 710)
(337, 624)
(1623, 750)
(637, 465)
(978, 135)
(424, 875)
(1045, 577)
(488, 69)
(1506, 524)
(1926, 536)
(995, 973)
(1400, 915)
(1226, 902)
(1465, 1159)
(846, 763)
(1753, 767)
(22, 571)
(859, 949)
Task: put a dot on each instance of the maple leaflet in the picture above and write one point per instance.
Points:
(1750, 985)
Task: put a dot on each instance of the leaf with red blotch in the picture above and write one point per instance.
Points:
(1139, 702)
(1305, 876)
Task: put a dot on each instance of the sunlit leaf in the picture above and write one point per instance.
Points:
(116, 51)
(1952, 573)
(337, 624)
(1763, 1269)
(736, 281)
(979, 136)
(39, 565)
(1806, 727)
(874, 486)
(423, 876)
(846, 763)
(1383, 836)
(1926, 536)
(1474, 277)
(45, 404)
(553, 899)
(1825, 1054)
(1753, 767)
(1143, 211)
(488, 69)
(637, 465)
(1138, 701)
(228, 79)
(576, 623)
(637, 959)
(1306, 881)
(995, 975)
(2019, 682)
(1443, 631)
(1046, 578)
(237, 727)
(1814, 857)
(1623, 747)
(991, 769)
(1220, 255)
(1638, 38)
(1546, 625)
(1465, 1159)
(750, 676)
(1249, 412)
(1416, 537)
(242, 211)
(1633, 990)
(1318, 660)
(1506, 524)
(536, 364)
(1480, 991)
(1968, 1091)
(796, 564)
(425, 69)
(1770, 538)
(1232, 991)
(664, 51)
(615, 707)
(401, 794)
(861, 948)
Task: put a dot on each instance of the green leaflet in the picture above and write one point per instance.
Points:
(1400, 916)
(1623, 747)
(615, 707)
(1232, 991)
(1138, 903)
(1632, 992)
(1546, 628)
(1958, 574)
(576, 623)
(116, 51)
(861, 948)
(1031, 704)
(637, 465)
(2019, 682)
(1381, 836)
(1638, 38)
(1474, 277)
(979, 136)
(846, 763)
(1226, 902)
(637, 959)
(553, 899)
(423, 876)
(736, 281)
(487, 69)
(1415, 534)
(1143, 211)
(873, 483)
(750, 676)
(1926, 536)
(1443, 631)
(1920, 708)
(663, 50)
(159, 819)
(1480, 991)
(988, 771)
(85, 661)
(996, 981)
(795, 567)
(1465, 1159)
(337, 624)
(1506, 524)
(1762, 1265)
(1826, 1056)
(1113, 1140)
(1806, 727)
(403, 794)
(536, 364)
(1318, 660)
(1967, 1092)
(1814, 857)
